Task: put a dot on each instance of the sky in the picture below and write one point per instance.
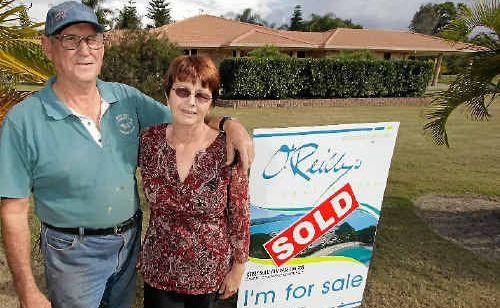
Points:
(371, 14)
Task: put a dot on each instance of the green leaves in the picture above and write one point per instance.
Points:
(141, 60)
(250, 78)
(267, 51)
(21, 57)
(25, 59)
(478, 86)
(473, 90)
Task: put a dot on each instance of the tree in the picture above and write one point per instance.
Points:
(432, 18)
(141, 60)
(297, 22)
(319, 23)
(477, 87)
(250, 17)
(128, 17)
(159, 12)
(21, 57)
(101, 12)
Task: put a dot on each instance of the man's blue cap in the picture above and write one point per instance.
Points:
(68, 13)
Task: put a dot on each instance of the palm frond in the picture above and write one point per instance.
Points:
(25, 58)
(482, 13)
(21, 57)
(475, 89)
(8, 100)
(6, 3)
(465, 90)
(8, 95)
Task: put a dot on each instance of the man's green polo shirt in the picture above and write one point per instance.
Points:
(46, 151)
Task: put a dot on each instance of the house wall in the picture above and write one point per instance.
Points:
(394, 55)
(218, 54)
(377, 54)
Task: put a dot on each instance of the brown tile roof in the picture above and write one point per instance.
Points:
(392, 40)
(211, 31)
(313, 37)
(259, 37)
(205, 31)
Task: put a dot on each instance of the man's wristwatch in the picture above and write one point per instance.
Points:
(222, 121)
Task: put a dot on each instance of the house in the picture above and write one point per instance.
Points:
(222, 38)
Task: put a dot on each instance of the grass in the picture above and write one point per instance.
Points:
(443, 84)
(412, 266)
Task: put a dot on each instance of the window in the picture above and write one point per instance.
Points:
(301, 54)
(387, 55)
(240, 53)
(190, 52)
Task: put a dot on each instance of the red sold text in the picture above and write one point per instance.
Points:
(313, 225)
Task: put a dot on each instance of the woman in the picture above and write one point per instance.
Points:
(197, 241)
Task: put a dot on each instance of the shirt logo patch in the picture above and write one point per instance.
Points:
(125, 123)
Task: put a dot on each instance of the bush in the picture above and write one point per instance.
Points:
(141, 60)
(267, 51)
(455, 64)
(364, 54)
(247, 78)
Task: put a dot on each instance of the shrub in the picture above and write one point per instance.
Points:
(247, 78)
(364, 54)
(267, 51)
(141, 60)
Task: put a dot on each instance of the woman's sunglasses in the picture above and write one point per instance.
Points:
(200, 97)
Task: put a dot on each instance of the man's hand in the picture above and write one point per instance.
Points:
(238, 137)
(17, 242)
(232, 281)
(35, 300)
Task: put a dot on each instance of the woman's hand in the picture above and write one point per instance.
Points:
(232, 281)
(238, 138)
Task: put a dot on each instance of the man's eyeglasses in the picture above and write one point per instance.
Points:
(182, 92)
(72, 41)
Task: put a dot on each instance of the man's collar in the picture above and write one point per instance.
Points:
(58, 110)
(107, 92)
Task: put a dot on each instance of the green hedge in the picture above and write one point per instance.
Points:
(250, 78)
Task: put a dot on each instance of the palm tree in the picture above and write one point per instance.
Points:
(101, 12)
(477, 87)
(21, 57)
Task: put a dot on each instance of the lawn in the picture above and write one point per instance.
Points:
(412, 266)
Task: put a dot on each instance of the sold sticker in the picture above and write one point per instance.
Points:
(312, 226)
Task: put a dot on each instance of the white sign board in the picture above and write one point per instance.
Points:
(316, 195)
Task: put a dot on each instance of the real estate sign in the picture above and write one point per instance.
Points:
(316, 195)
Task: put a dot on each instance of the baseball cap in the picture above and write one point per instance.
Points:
(67, 13)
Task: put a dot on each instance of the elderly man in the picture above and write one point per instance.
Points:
(73, 146)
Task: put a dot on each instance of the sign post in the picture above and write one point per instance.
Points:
(316, 195)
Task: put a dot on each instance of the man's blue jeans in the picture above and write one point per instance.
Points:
(90, 271)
